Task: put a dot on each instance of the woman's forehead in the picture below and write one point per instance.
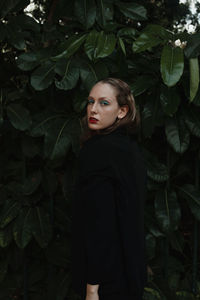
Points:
(103, 90)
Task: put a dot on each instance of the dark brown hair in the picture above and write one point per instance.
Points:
(124, 97)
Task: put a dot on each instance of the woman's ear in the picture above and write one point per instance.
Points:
(123, 111)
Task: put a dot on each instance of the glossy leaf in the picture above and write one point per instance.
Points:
(152, 114)
(69, 72)
(170, 100)
(167, 210)
(192, 49)
(127, 32)
(99, 45)
(91, 73)
(172, 65)
(177, 134)
(155, 170)
(27, 61)
(43, 77)
(104, 12)
(133, 11)
(91, 44)
(69, 47)
(142, 84)
(19, 116)
(192, 195)
(191, 117)
(151, 36)
(194, 77)
(105, 45)
(122, 45)
(41, 227)
(58, 138)
(85, 11)
(42, 122)
(22, 228)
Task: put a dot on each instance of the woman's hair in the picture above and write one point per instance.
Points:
(124, 97)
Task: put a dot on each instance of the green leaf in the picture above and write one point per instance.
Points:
(5, 237)
(167, 210)
(22, 228)
(32, 183)
(172, 65)
(42, 122)
(91, 73)
(142, 84)
(152, 294)
(105, 45)
(127, 32)
(122, 45)
(155, 170)
(152, 114)
(104, 12)
(170, 100)
(194, 77)
(85, 11)
(69, 47)
(9, 212)
(192, 49)
(151, 36)
(41, 227)
(43, 77)
(191, 117)
(27, 61)
(99, 45)
(15, 37)
(69, 72)
(90, 45)
(145, 42)
(177, 134)
(192, 195)
(19, 116)
(61, 134)
(133, 11)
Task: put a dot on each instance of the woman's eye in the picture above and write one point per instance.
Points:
(104, 102)
(90, 101)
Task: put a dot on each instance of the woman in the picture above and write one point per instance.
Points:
(108, 260)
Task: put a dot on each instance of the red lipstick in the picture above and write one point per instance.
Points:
(93, 120)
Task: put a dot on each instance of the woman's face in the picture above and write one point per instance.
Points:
(102, 108)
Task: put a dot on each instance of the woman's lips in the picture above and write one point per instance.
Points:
(93, 120)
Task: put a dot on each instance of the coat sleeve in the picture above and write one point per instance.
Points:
(101, 234)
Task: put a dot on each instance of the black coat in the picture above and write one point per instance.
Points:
(108, 216)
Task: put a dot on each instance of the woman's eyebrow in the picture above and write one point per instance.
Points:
(100, 98)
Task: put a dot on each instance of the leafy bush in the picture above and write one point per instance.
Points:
(49, 61)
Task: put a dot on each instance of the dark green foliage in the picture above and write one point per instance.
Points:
(48, 65)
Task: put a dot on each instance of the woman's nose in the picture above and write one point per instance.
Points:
(94, 107)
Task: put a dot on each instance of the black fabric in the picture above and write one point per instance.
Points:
(108, 216)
